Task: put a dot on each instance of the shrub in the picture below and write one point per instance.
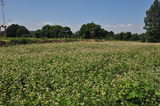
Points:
(22, 41)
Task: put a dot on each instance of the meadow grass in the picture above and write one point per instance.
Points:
(80, 73)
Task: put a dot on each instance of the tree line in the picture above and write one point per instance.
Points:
(87, 31)
(95, 31)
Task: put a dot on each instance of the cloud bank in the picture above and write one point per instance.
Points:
(124, 28)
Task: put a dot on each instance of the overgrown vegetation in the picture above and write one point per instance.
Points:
(80, 73)
(22, 41)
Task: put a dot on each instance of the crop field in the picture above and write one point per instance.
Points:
(80, 73)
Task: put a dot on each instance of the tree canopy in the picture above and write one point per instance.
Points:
(87, 29)
(126, 36)
(55, 31)
(16, 30)
(152, 22)
(21, 31)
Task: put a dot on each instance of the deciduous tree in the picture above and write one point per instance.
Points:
(152, 22)
(16, 30)
(86, 29)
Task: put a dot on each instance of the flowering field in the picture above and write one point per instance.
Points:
(80, 73)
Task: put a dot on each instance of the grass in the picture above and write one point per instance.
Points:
(80, 73)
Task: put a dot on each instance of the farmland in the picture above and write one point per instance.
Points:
(80, 73)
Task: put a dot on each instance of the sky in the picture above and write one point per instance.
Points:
(112, 15)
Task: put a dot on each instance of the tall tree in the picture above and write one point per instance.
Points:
(67, 31)
(16, 30)
(56, 31)
(86, 30)
(12, 30)
(152, 22)
(22, 31)
(46, 31)
(38, 33)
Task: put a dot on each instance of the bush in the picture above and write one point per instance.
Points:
(151, 39)
(22, 41)
(142, 37)
(3, 43)
(27, 35)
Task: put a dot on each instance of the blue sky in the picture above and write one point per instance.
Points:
(115, 15)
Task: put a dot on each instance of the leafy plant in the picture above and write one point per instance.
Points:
(80, 73)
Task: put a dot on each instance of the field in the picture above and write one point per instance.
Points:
(80, 73)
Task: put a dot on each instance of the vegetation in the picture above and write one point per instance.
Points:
(127, 36)
(80, 73)
(25, 40)
(58, 31)
(96, 30)
(100, 72)
(152, 22)
(16, 30)
(55, 31)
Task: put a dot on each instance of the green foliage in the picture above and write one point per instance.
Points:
(21, 31)
(135, 37)
(12, 30)
(85, 31)
(26, 40)
(133, 90)
(38, 34)
(22, 41)
(3, 43)
(55, 31)
(15, 30)
(152, 24)
(80, 73)
(126, 36)
(142, 37)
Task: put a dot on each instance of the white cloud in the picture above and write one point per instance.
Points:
(124, 28)
(10, 23)
(74, 28)
(46, 23)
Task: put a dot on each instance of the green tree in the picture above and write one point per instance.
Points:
(134, 37)
(38, 33)
(85, 31)
(111, 33)
(142, 37)
(128, 35)
(16, 30)
(12, 30)
(21, 31)
(119, 36)
(77, 34)
(123, 36)
(67, 32)
(47, 31)
(152, 22)
(56, 31)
